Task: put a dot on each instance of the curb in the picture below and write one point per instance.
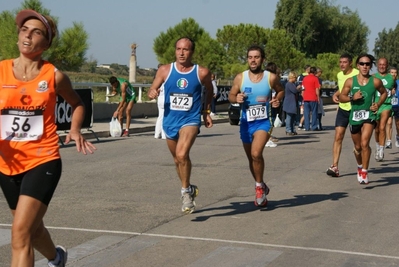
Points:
(90, 134)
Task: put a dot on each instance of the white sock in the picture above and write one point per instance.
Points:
(186, 190)
(364, 170)
(258, 184)
(360, 166)
(377, 146)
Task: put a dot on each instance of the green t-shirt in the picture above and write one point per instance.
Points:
(341, 81)
(389, 83)
(130, 93)
(361, 108)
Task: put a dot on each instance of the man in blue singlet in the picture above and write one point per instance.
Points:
(252, 89)
(183, 82)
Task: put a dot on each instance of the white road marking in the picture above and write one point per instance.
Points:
(224, 241)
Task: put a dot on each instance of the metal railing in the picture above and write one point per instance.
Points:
(140, 86)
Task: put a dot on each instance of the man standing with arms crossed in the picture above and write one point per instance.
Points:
(252, 89)
(342, 117)
(183, 81)
(385, 110)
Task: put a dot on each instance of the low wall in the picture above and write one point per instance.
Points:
(104, 111)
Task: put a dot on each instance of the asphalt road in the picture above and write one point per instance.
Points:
(121, 205)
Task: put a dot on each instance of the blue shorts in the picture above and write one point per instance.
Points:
(395, 111)
(247, 129)
(172, 132)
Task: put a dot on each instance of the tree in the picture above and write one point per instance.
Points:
(328, 62)
(70, 48)
(318, 27)
(66, 53)
(90, 65)
(235, 40)
(8, 33)
(208, 52)
(279, 49)
(278, 46)
(387, 45)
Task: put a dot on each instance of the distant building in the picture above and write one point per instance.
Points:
(105, 66)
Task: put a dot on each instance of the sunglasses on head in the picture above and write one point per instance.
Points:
(365, 63)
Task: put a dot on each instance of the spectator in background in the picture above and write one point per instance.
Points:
(300, 116)
(311, 98)
(127, 99)
(290, 103)
(320, 109)
(215, 95)
(159, 132)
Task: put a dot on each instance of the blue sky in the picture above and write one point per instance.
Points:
(114, 25)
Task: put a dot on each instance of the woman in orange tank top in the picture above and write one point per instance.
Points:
(30, 164)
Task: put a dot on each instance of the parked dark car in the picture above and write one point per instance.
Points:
(234, 114)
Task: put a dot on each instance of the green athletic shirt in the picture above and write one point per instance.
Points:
(130, 93)
(361, 108)
(341, 81)
(388, 82)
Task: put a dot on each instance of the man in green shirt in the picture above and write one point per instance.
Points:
(360, 91)
(385, 111)
(127, 99)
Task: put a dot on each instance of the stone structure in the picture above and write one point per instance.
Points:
(133, 64)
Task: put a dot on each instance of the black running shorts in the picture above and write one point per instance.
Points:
(342, 118)
(39, 183)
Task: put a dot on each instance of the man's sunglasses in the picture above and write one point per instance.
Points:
(365, 63)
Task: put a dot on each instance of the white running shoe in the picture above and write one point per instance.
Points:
(364, 178)
(270, 143)
(188, 200)
(381, 154)
(359, 175)
(63, 257)
(388, 144)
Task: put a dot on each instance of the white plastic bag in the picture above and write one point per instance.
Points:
(277, 122)
(115, 129)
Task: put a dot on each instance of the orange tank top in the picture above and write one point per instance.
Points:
(28, 130)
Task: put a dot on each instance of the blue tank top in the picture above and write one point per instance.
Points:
(182, 91)
(258, 95)
(395, 97)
